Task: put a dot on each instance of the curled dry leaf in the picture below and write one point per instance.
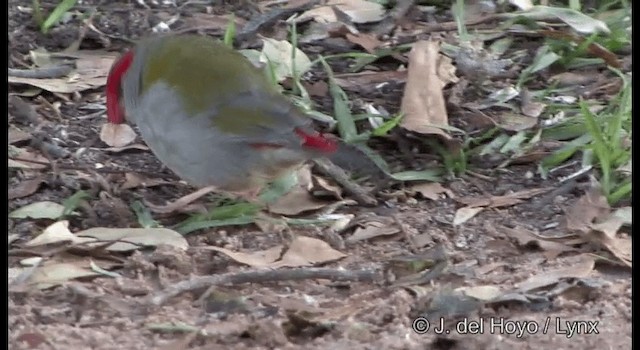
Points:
(359, 11)
(484, 293)
(515, 121)
(592, 205)
(298, 200)
(25, 157)
(25, 188)
(17, 135)
(261, 258)
(367, 41)
(117, 135)
(371, 230)
(525, 237)
(91, 72)
(39, 210)
(529, 107)
(502, 201)
(279, 54)
(127, 239)
(56, 273)
(56, 233)
(306, 251)
(133, 180)
(295, 202)
(322, 185)
(423, 103)
(431, 190)
(465, 214)
(581, 269)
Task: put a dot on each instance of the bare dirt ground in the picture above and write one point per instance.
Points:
(115, 313)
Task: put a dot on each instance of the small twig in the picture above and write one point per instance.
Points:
(340, 176)
(262, 276)
(52, 72)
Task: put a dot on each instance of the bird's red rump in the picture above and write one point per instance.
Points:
(115, 113)
(318, 142)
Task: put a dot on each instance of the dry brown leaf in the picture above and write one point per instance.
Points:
(526, 237)
(512, 121)
(465, 214)
(483, 270)
(319, 88)
(367, 41)
(501, 201)
(56, 233)
(91, 72)
(138, 238)
(580, 270)
(55, 273)
(117, 135)
(268, 224)
(17, 135)
(610, 226)
(484, 293)
(307, 251)
(431, 190)
(320, 184)
(133, 180)
(621, 247)
(298, 199)
(373, 229)
(25, 188)
(605, 233)
(590, 206)
(295, 202)
(423, 103)
(261, 258)
(27, 155)
(359, 11)
(528, 107)
(39, 210)
(571, 79)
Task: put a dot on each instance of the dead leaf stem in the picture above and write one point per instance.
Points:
(262, 276)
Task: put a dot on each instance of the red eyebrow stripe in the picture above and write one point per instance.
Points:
(115, 113)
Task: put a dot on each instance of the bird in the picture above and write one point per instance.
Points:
(209, 115)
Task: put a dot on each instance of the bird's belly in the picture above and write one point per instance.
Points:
(197, 152)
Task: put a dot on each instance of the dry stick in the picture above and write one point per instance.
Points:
(262, 276)
(52, 72)
(90, 169)
(361, 195)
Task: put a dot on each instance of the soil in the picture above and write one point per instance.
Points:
(111, 313)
